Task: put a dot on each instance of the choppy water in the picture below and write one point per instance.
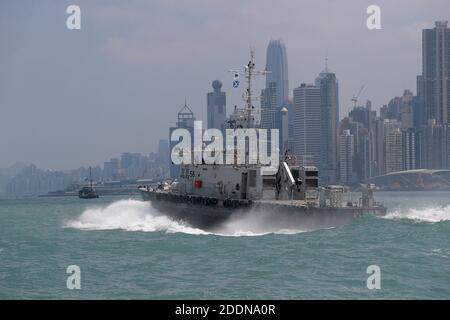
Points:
(127, 249)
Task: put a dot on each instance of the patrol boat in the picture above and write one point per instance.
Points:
(207, 195)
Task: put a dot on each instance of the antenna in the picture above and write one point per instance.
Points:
(249, 72)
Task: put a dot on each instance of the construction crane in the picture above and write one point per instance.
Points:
(355, 97)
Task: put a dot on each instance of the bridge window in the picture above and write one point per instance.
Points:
(252, 179)
(312, 183)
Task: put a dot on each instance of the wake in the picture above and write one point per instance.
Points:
(129, 215)
(134, 215)
(429, 214)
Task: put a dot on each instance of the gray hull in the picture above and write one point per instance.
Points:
(278, 214)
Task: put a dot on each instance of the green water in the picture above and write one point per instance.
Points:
(126, 249)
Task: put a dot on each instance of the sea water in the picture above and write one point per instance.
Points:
(126, 249)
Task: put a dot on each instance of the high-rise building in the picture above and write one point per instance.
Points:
(346, 154)
(360, 149)
(132, 164)
(381, 129)
(290, 116)
(272, 116)
(366, 117)
(163, 151)
(269, 107)
(216, 107)
(185, 120)
(434, 146)
(407, 110)
(329, 96)
(364, 155)
(111, 169)
(393, 151)
(409, 150)
(436, 71)
(276, 63)
(420, 113)
(307, 124)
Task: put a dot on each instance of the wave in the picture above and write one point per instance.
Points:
(259, 223)
(134, 215)
(129, 215)
(429, 214)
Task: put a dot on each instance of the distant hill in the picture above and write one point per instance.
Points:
(7, 174)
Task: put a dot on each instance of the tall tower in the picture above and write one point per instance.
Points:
(216, 107)
(393, 151)
(307, 125)
(329, 97)
(276, 63)
(436, 72)
(346, 154)
(186, 121)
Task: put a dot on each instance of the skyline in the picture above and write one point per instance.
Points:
(117, 75)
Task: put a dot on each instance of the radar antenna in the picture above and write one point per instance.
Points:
(249, 71)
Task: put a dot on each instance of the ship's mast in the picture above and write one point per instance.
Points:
(249, 71)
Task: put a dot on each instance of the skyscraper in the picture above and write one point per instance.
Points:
(434, 146)
(420, 116)
(329, 96)
(307, 124)
(271, 115)
(216, 107)
(393, 151)
(276, 63)
(409, 149)
(269, 107)
(389, 142)
(436, 71)
(346, 154)
(276, 93)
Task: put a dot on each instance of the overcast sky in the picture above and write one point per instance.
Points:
(78, 97)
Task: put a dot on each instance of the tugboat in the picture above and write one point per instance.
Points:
(206, 195)
(88, 192)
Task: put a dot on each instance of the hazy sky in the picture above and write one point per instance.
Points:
(78, 97)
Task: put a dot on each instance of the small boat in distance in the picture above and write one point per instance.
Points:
(88, 192)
